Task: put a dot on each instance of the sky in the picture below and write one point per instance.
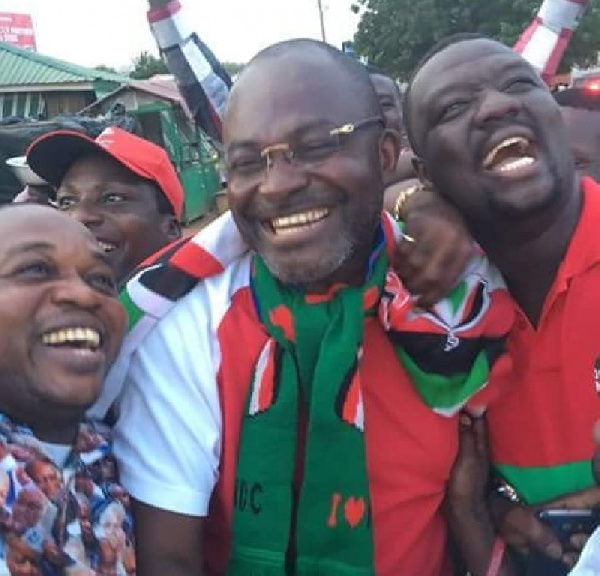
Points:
(113, 32)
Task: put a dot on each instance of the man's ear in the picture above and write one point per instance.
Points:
(170, 227)
(389, 152)
(421, 171)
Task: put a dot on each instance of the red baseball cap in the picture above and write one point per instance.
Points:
(52, 154)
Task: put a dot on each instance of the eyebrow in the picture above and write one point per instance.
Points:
(294, 132)
(504, 68)
(97, 254)
(27, 247)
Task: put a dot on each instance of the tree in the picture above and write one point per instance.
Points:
(104, 68)
(146, 65)
(233, 68)
(395, 34)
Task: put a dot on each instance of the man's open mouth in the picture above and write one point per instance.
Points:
(298, 221)
(511, 154)
(83, 338)
(106, 246)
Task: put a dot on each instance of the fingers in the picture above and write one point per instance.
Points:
(433, 264)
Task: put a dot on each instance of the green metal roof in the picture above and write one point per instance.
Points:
(20, 67)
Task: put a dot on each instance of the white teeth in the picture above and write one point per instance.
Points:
(300, 219)
(516, 164)
(84, 336)
(106, 247)
(489, 159)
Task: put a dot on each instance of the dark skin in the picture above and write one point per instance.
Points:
(53, 276)
(584, 134)
(119, 208)
(523, 217)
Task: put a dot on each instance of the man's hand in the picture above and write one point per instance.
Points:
(432, 265)
(520, 526)
(468, 481)
(466, 500)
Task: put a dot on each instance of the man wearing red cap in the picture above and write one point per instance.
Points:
(122, 187)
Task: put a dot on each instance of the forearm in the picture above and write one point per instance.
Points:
(475, 537)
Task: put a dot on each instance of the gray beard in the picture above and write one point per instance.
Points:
(328, 263)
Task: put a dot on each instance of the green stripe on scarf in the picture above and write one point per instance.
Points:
(538, 484)
(134, 312)
(329, 531)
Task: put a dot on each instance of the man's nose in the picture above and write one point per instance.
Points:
(496, 105)
(282, 174)
(88, 213)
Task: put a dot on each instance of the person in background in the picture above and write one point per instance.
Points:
(35, 189)
(123, 188)
(581, 113)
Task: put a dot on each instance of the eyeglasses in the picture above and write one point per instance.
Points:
(311, 145)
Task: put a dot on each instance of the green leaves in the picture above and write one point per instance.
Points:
(395, 34)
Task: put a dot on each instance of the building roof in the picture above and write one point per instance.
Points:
(20, 67)
(162, 86)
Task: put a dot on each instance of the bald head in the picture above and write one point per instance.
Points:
(284, 72)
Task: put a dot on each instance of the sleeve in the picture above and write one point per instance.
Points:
(545, 40)
(167, 439)
(451, 350)
(202, 80)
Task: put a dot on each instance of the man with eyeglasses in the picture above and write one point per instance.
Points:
(281, 411)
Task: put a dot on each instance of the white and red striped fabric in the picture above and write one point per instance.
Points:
(545, 40)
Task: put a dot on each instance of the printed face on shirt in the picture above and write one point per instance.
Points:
(312, 217)
(47, 477)
(119, 208)
(27, 510)
(490, 134)
(62, 323)
(21, 559)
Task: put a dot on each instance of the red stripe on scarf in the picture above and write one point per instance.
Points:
(196, 261)
(282, 317)
(352, 401)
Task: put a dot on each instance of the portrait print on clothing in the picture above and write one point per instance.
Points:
(62, 511)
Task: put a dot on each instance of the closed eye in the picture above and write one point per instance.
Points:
(452, 110)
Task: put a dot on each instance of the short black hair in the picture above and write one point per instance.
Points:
(433, 51)
(355, 70)
(580, 98)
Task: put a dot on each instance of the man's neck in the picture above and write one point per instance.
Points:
(530, 266)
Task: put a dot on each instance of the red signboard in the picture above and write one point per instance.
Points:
(17, 30)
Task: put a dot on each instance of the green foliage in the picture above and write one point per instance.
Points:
(146, 65)
(104, 68)
(233, 68)
(395, 34)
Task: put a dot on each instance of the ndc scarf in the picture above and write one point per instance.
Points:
(304, 411)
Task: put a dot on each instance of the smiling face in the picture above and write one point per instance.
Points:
(312, 221)
(60, 320)
(491, 135)
(119, 208)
